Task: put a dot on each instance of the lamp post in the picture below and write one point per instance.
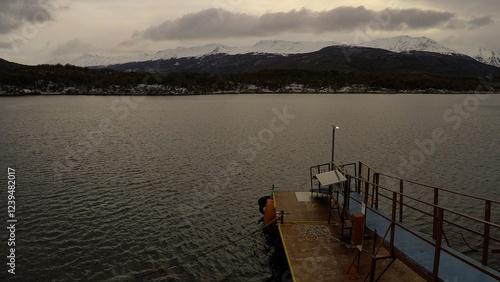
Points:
(333, 143)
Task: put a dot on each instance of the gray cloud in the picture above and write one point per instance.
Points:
(211, 23)
(418, 19)
(74, 46)
(218, 23)
(15, 13)
(480, 21)
(5, 45)
(469, 24)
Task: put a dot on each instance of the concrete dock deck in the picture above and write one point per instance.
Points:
(313, 248)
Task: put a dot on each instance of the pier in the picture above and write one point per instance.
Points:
(357, 224)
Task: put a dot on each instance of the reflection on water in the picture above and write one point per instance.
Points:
(122, 187)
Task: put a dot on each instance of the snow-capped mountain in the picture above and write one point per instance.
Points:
(287, 47)
(267, 46)
(484, 56)
(88, 60)
(401, 44)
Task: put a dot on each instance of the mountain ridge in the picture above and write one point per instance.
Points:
(265, 46)
(345, 59)
(398, 44)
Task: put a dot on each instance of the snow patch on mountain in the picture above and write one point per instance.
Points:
(286, 47)
(184, 52)
(88, 60)
(267, 46)
(483, 55)
(402, 44)
(399, 44)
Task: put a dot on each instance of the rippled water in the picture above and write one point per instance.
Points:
(113, 188)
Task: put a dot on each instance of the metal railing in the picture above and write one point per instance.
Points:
(408, 201)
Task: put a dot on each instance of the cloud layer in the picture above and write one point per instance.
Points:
(15, 13)
(20, 19)
(219, 23)
(72, 46)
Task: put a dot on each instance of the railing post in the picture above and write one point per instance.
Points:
(355, 171)
(393, 219)
(347, 184)
(434, 224)
(376, 179)
(486, 238)
(358, 187)
(437, 247)
(346, 200)
(369, 171)
(367, 190)
(401, 200)
(311, 176)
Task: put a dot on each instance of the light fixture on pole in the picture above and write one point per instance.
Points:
(333, 143)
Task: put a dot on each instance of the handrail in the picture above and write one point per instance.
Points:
(437, 245)
(367, 183)
(366, 165)
(429, 204)
(436, 187)
(450, 222)
(318, 170)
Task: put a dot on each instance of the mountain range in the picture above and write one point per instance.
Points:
(400, 64)
(334, 58)
(400, 44)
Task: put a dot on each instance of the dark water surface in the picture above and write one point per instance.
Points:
(113, 188)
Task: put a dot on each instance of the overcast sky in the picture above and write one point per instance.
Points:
(41, 31)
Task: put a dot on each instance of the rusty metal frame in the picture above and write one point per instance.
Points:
(363, 185)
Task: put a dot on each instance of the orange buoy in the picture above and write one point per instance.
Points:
(269, 213)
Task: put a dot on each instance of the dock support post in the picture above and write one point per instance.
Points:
(374, 261)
